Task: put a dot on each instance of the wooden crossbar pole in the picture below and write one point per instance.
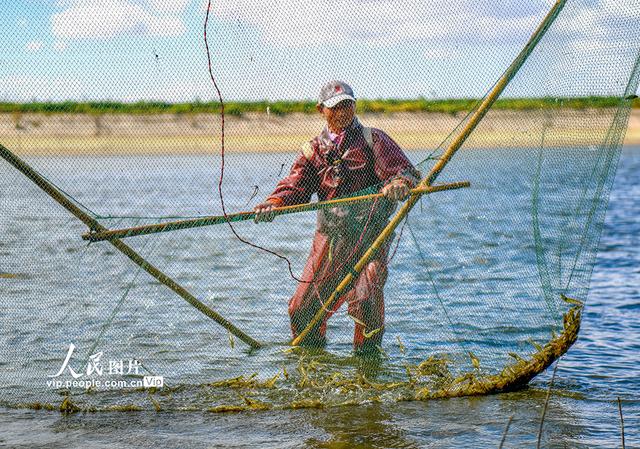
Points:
(475, 119)
(242, 216)
(94, 225)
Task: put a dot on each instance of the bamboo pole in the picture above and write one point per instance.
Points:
(242, 216)
(437, 168)
(546, 405)
(94, 225)
(504, 434)
(621, 422)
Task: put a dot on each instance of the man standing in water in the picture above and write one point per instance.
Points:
(344, 159)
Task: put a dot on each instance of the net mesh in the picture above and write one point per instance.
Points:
(479, 278)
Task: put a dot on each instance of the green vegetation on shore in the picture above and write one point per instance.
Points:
(449, 106)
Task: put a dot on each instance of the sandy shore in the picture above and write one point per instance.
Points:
(123, 134)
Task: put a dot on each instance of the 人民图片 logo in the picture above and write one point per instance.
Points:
(96, 374)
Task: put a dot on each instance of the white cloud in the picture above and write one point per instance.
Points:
(440, 53)
(40, 88)
(304, 23)
(590, 50)
(60, 45)
(109, 18)
(34, 46)
(170, 6)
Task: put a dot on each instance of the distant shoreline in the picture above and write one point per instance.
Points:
(71, 134)
(286, 107)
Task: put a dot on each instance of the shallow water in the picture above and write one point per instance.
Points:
(582, 412)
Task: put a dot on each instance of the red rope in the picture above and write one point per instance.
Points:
(393, 254)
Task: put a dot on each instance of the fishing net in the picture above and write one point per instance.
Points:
(485, 278)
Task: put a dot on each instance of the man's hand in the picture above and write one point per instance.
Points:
(264, 212)
(396, 190)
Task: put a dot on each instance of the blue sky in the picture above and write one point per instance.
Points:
(132, 50)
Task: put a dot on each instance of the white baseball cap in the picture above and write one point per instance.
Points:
(334, 92)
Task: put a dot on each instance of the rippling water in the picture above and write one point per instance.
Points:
(602, 366)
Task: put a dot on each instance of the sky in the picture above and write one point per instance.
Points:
(130, 50)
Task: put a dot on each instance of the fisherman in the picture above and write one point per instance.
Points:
(344, 159)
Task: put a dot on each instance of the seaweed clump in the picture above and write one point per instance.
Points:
(318, 385)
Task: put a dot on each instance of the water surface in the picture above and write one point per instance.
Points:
(62, 291)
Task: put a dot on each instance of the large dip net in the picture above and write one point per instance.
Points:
(487, 264)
